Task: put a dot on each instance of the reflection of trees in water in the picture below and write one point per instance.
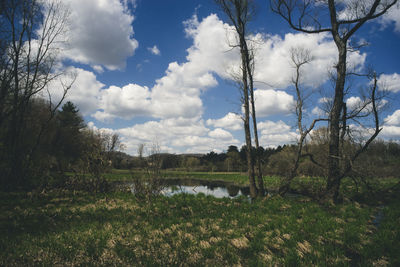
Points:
(232, 190)
(212, 187)
(183, 185)
(245, 191)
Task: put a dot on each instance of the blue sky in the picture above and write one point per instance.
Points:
(157, 71)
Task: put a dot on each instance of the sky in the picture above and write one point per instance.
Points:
(161, 72)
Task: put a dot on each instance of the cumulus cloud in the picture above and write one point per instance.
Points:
(177, 134)
(275, 69)
(84, 91)
(355, 103)
(175, 99)
(393, 119)
(178, 92)
(393, 16)
(317, 111)
(277, 133)
(154, 50)
(100, 33)
(271, 102)
(324, 100)
(271, 127)
(230, 121)
(390, 132)
(355, 9)
(389, 82)
(132, 99)
(220, 134)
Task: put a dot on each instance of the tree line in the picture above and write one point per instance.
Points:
(380, 160)
(233, 160)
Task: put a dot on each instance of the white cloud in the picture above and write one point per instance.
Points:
(324, 100)
(353, 102)
(270, 127)
(100, 33)
(154, 50)
(211, 48)
(177, 134)
(393, 119)
(389, 82)
(277, 133)
(355, 9)
(393, 16)
(220, 134)
(275, 69)
(270, 102)
(230, 121)
(319, 112)
(390, 132)
(126, 102)
(84, 91)
(175, 99)
(98, 68)
(178, 93)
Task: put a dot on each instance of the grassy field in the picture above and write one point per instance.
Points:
(66, 228)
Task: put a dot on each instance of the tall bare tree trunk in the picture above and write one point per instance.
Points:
(334, 172)
(239, 14)
(245, 84)
(260, 181)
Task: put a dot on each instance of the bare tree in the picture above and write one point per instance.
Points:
(30, 32)
(299, 58)
(239, 13)
(345, 18)
(250, 68)
(140, 150)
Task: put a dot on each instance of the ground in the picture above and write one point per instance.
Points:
(77, 228)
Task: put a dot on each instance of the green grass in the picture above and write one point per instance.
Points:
(126, 175)
(311, 184)
(65, 228)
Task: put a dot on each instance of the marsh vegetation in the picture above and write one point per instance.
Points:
(77, 228)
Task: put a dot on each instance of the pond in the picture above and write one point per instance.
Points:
(218, 192)
(218, 189)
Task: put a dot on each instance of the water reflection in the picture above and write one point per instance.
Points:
(215, 191)
(219, 189)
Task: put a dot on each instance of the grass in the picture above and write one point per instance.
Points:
(66, 228)
(272, 183)
(126, 175)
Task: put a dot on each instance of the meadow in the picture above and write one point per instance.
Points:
(70, 228)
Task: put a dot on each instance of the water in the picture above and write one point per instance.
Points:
(218, 192)
(218, 189)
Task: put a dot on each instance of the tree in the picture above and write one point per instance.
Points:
(29, 37)
(299, 58)
(67, 144)
(232, 160)
(345, 18)
(239, 13)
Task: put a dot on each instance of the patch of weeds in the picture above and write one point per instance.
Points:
(116, 229)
